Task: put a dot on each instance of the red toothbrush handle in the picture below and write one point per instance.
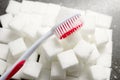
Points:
(15, 69)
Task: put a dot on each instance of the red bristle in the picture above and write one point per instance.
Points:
(58, 32)
(60, 29)
(71, 20)
(64, 27)
(68, 24)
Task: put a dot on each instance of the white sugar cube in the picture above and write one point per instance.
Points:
(44, 75)
(83, 50)
(57, 72)
(18, 23)
(41, 8)
(13, 7)
(42, 30)
(34, 7)
(26, 25)
(105, 60)
(85, 74)
(3, 66)
(67, 59)
(7, 35)
(27, 6)
(31, 26)
(88, 37)
(10, 58)
(53, 9)
(17, 47)
(45, 61)
(67, 12)
(101, 36)
(94, 55)
(51, 14)
(51, 48)
(32, 69)
(102, 20)
(76, 70)
(5, 20)
(88, 26)
(28, 42)
(4, 51)
(100, 73)
(107, 48)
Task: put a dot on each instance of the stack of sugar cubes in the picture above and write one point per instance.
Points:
(84, 55)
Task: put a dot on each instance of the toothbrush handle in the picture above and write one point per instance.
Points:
(20, 62)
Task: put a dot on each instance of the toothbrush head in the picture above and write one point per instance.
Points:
(68, 26)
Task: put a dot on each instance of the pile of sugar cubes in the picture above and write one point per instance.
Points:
(84, 55)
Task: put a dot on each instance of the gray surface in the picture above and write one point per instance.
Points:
(110, 7)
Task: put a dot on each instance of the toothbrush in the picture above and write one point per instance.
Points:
(62, 30)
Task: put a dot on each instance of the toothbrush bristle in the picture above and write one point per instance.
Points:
(68, 27)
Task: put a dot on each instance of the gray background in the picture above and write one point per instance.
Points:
(109, 7)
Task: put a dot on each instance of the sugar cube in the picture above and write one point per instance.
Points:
(94, 55)
(88, 26)
(32, 7)
(83, 50)
(105, 60)
(5, 20)
(51, 14)
(3, 66)
(32, 69)
(100, 73)
(51, 48)
(31, 26)
(7, 35)
(88, 37)
(28, 42)
(42, 30)
(44, 75)
(85, 74)
(67, 12)
(17, 47)
(101, 20)
(41, 8)
(57, 72)
(27, 6)
(107, 48)
(76, 70)
(18, 23)
(101, 36)
(4, 51)
(67, 59)
(10, 58)
(13, 7)
(45, 61)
